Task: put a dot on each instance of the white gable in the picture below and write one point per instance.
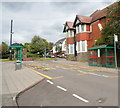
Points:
(77, 22)
(66, 27)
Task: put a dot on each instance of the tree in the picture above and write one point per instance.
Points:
(27, 46)
(38, 44)
(113, 24)
(4, 50)
(50, 45)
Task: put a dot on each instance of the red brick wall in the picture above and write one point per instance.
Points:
(70, 40)
(87, 27)
(82, 36)
(96, 33)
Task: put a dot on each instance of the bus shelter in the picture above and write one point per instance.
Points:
(18, 55)
(102, 56)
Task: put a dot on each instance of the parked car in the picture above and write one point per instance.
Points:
(60, 56)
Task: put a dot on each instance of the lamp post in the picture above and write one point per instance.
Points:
(75, 52)
(11, 39)
(115, 40)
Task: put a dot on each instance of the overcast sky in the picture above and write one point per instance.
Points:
(45, 19)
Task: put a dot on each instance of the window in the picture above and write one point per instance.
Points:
(77, 29)
(68, 49)
(82, 28)
(78, 46)
(70, 33)
(100, 26)
(71, 48)
(83, 46)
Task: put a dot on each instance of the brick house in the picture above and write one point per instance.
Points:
(69, 30)
(87, 30)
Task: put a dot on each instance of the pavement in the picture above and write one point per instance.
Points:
(15, 81)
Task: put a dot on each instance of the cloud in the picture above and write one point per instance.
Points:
(45, 19)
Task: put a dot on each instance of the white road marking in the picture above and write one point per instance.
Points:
(99, 75)
(61, 88)
(49, 81)
(82, 99)
(105, 76)
(14, 98)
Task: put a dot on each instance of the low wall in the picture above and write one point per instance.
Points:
(82, 57)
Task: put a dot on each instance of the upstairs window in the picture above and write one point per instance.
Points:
(82, 28)
(77, 29)
(100, 26)
(71, 48)
(71, 33)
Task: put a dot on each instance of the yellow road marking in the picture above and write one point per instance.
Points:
(58, 77)
(95, 70)
(42, 74)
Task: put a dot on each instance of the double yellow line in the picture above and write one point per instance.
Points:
(46, 76)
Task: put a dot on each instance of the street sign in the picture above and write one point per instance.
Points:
(115, 38)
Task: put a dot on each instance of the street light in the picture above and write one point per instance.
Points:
(11, 39)
(115, 40)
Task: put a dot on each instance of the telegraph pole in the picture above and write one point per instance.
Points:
(75, 52)
(11, 38)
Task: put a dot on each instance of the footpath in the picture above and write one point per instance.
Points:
(15, 81)
(85, 64)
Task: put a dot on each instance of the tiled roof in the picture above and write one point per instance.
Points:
(84, 19)
(98, 14)
(69, 24)
(101, 13)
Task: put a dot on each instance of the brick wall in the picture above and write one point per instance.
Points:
(70, 40)
(82, 56)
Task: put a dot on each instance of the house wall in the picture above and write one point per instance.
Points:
(54, 49)
(64, 46)
(82, 36)
(96, 32)
(70, 40)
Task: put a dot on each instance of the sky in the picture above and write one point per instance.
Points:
(44, 19)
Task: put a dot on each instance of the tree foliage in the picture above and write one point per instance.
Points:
(4, 50)
(27, 46)
(38, 44)
(112, 26)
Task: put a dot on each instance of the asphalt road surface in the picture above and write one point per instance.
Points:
(71, 85)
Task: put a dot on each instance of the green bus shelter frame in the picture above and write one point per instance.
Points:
(108, 57)
(18, 55)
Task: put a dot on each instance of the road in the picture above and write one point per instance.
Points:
(71, 85)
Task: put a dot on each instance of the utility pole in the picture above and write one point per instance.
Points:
(75, 52)
(11, 39)
(45, 52)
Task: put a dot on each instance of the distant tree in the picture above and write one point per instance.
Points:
(50, 45)
(112, 26)
(27, 46)
(38, 44)
(4, 50)
(58, 48)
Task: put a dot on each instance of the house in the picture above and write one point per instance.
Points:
(70, 32)
(83, 32)
(60, 47)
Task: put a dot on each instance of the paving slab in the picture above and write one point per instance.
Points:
(15, 81)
